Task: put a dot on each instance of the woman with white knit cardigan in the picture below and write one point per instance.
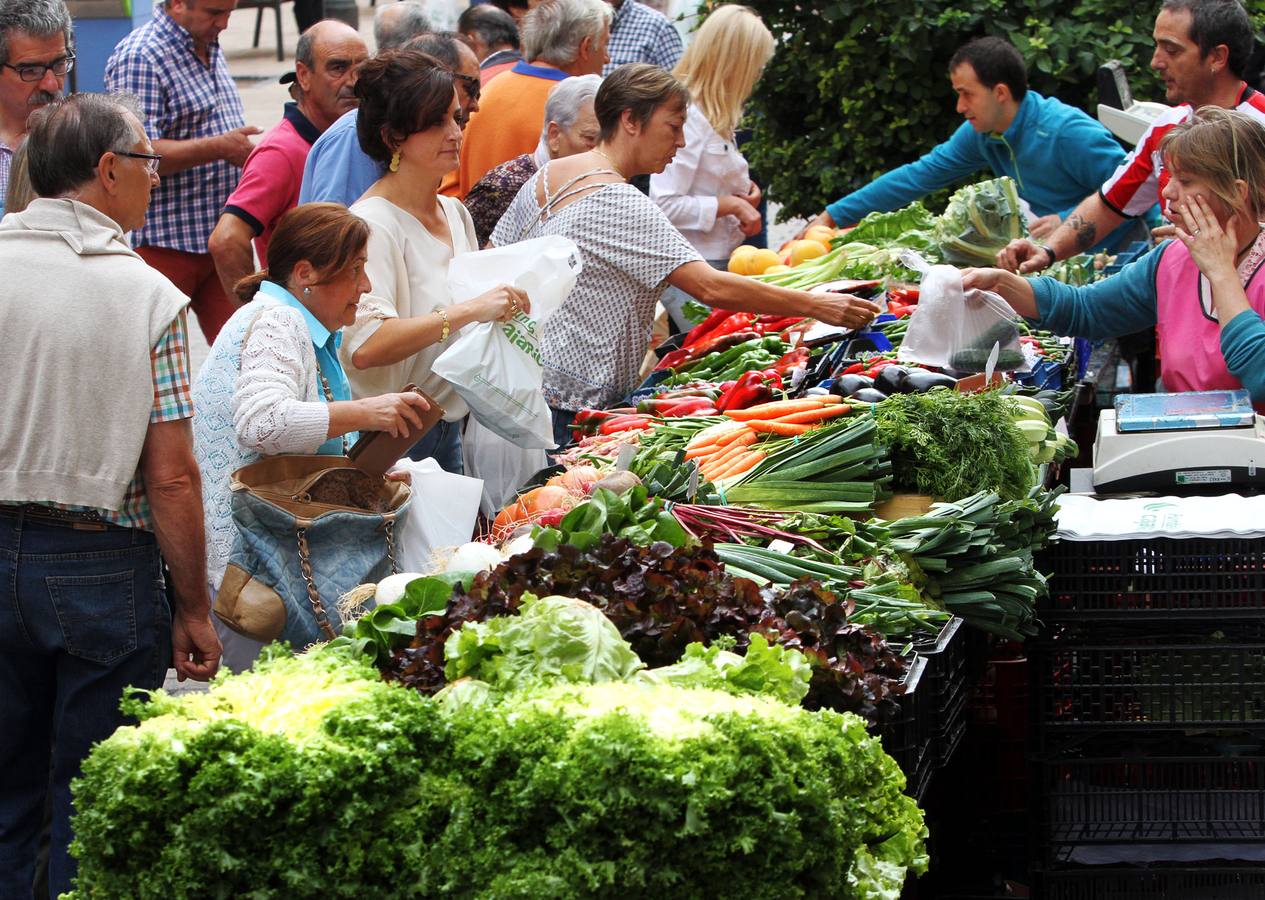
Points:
(273, 384)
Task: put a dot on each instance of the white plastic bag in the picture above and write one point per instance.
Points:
(496, 367)
(444, 514)
(955, 329)
(500, 465)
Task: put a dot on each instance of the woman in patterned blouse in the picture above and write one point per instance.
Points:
(570, 128)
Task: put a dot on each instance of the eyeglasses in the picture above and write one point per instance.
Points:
(471, 82)
(31, 72)
(151, 159)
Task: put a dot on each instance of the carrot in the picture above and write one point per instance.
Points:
(703, 452)
(740, 464)
(828, 399)
(785, 429)
(736, 448)
(737, 434)
(774, 410)
(815, 415)
(714, 434)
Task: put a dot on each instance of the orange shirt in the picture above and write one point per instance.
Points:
(511, 114)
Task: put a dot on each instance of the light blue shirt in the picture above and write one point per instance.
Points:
(325, 343)
(337, 170)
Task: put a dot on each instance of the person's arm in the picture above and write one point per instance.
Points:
(723, 289)
(173, 487)
(232, 146)
(1088, 224)
(230, 248)
(1243, 346)
(1121, 304)
(956, 158)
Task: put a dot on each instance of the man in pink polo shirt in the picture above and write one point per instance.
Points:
(326, 62)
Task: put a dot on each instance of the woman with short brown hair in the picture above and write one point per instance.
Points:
(593, 346)
(273, 384)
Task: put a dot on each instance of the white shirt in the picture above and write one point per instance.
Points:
(408, 271)
(687, 191)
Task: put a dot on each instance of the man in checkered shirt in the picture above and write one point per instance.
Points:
(641, 34)
(194, 116)
(36, 52)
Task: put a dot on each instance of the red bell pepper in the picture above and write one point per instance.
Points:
(686, 355)
(751, 388)
(877, 366)
(796, 358)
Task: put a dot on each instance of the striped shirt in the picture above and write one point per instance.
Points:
(6, 161)
(1137, 184)
(173, 401)
(640, 34)
(183, 100)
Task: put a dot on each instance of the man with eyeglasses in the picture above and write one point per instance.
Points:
(110, 483)
(36, 52)
(194, 116)
(326, 61)
(339, 171)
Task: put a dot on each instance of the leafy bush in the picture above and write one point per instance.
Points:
(858, 87)
(310, 777)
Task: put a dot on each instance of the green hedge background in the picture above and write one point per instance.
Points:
(858, 87)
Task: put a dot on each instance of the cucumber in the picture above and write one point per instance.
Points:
(973, 359)
(1003, 333)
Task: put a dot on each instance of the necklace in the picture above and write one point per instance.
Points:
(611, 161)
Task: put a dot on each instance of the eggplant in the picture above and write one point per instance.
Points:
(845, 385)
(868, 395)
(889, 378)
(919, 381)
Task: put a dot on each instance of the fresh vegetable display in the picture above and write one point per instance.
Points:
(979, 221)
(311, 777)
(663, 598)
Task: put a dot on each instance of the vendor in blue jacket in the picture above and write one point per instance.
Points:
(1055, 153)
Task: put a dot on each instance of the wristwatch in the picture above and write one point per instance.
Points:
(1049, 251)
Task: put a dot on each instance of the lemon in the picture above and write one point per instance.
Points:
(802, 251)
(760, 261)
(740, 260)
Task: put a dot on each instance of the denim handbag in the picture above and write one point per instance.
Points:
(309, 529)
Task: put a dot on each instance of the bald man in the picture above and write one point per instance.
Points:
(324, 76)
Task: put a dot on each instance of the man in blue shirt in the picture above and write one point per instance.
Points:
(1054, 152)
(338, 171)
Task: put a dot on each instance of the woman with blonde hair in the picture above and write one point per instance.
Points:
(707, 192)
(1204, 291)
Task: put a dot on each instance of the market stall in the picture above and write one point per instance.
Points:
(728, 638)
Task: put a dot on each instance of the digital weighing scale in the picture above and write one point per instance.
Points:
(1162, 442)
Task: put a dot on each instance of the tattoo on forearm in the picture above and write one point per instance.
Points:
(1086, 232)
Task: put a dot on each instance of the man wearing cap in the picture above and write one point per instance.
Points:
(194, 117)
(326, 61)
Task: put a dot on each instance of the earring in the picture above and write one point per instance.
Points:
(395, 161)
(307, 292)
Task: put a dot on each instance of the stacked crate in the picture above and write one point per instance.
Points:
(1149, 683)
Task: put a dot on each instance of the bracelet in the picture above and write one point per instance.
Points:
(1049, 251)
(443, 317)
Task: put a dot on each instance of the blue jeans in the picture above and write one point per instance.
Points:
(443, 444)
(83, 615)
(562, 419)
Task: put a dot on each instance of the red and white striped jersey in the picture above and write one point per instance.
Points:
(1136, 186)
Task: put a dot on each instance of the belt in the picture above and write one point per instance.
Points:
(80, 520)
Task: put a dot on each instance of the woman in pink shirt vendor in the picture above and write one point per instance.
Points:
(1205, 290)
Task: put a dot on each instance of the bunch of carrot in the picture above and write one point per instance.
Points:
(726, 450)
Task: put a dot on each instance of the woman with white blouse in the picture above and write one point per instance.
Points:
(409, 121)
(272, 382)
(707, 191)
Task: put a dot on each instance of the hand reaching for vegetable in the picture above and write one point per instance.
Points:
(820, 219)
(844, 310)
(1023, 256)
(395, 414)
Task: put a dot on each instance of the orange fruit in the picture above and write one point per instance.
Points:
(740, 260)
(760, 261)
(802, 251)
(773, 270)
(822, 234)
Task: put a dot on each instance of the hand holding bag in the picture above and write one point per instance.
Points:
(309, 529)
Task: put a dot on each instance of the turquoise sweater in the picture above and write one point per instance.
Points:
(1056, 154)
(1125, 303)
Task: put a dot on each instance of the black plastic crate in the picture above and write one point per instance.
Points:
(1160, 578)
(907, 737)
(945, 677)
(949, 731)
(1146, 798)
(1101, 676)
(1228, 882)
